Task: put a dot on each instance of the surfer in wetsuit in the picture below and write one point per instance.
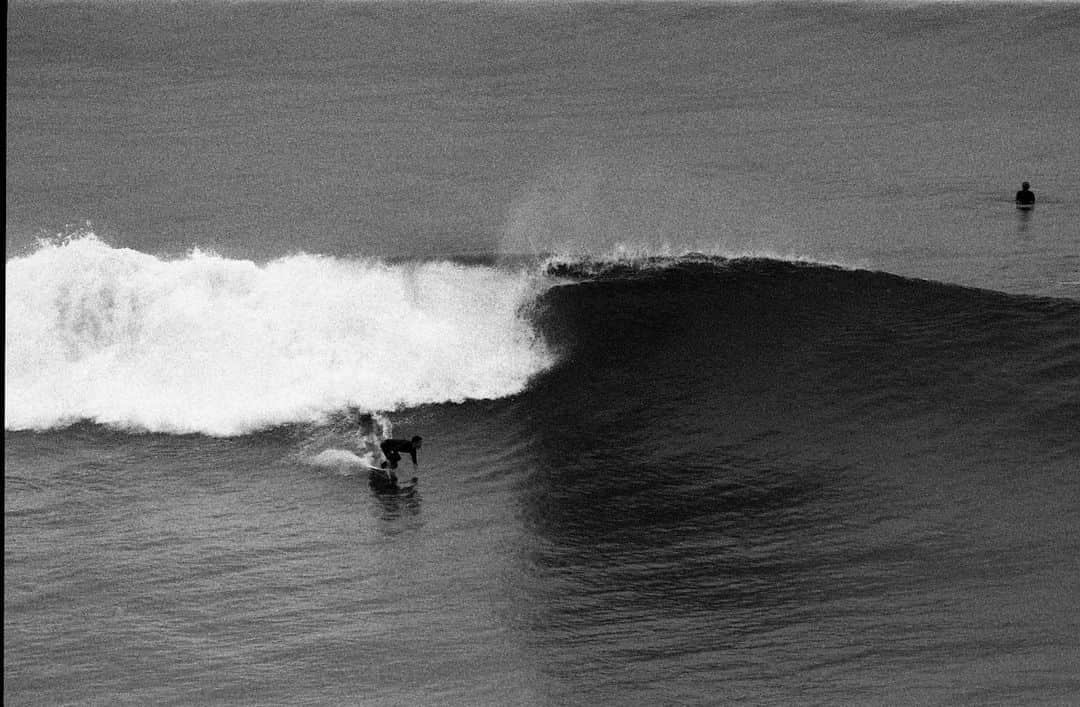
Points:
(1025, 197)
(392, 449)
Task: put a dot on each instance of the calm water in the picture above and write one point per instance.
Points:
(741, 378)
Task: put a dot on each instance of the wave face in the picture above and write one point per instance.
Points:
(222, 347)
(705, 353)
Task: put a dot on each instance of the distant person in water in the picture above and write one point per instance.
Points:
(392, 449)
(1025, 197)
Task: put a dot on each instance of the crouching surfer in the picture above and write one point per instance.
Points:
(392, 449)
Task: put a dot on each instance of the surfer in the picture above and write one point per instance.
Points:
(392, 449)
(1025, 197)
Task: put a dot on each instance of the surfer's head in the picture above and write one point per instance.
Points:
(417, 441)
(1025, 185)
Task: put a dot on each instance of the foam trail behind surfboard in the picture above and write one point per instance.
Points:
(337, 457)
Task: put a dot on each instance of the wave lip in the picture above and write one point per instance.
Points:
(632, 264)
(218, 346)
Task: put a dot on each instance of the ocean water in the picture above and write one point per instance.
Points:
(741, 379)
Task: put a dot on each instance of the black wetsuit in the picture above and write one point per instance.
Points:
(1025, 197)
(392, 449)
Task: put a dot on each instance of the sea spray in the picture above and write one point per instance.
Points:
(348, 443)
(219, 346)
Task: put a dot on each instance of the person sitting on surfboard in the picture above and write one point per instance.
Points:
(392, 449)
(1025, 197)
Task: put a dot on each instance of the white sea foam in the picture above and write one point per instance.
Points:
(218, 346)
(339, 458)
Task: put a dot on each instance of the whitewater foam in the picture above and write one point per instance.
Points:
(219, 346)
(338, 458)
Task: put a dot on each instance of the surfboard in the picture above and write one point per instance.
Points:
(1025, 207)
(383, 482)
